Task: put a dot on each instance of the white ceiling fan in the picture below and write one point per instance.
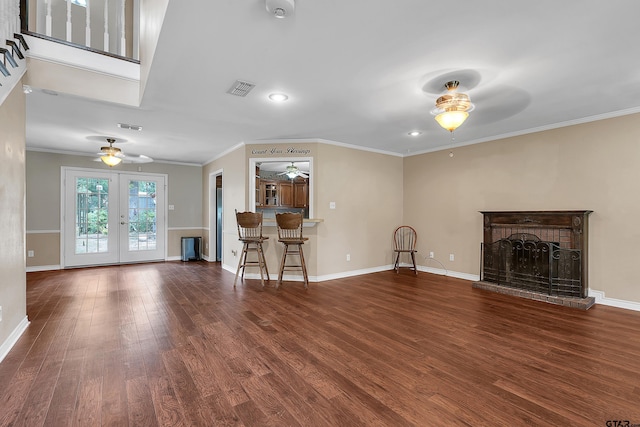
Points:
(293, 171)
(112, 156)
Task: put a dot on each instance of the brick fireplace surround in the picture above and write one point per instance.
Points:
(540, 255)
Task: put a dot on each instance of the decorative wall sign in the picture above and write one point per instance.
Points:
(280, 151)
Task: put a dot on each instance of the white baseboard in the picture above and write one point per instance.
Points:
(351, 273)
(13, 338)
(43, 268)
(601, 299)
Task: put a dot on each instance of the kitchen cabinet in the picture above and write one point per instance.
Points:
(285, 194)
(300, 194)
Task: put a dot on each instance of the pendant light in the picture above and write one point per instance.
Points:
(110, 155)
(452, 108)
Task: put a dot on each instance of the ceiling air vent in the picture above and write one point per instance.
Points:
(241, 88)
(128, 126)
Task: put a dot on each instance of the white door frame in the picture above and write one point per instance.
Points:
(213, 231)
(63, 173)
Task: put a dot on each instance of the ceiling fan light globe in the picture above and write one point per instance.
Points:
(451, 120)
(110, 160)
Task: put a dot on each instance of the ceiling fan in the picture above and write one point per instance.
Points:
(293, 171)
(112, 156)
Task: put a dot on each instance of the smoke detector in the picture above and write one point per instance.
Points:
(280, 8)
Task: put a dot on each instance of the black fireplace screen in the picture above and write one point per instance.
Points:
(523, 261)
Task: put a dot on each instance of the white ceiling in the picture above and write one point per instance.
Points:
(361, 72)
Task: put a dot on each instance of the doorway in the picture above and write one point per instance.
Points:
(112, 217)
(216, 215)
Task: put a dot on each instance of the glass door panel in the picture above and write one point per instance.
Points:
(87, 213)
(141, 218)
(91, 216)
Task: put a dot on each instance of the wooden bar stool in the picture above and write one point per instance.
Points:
(250, 234)
(290, 234)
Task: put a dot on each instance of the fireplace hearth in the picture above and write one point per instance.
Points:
(539, 255)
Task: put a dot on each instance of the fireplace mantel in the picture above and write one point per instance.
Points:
(526, 251)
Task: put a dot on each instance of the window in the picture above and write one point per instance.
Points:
(82, 3)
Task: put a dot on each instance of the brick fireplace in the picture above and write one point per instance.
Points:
(540, 255)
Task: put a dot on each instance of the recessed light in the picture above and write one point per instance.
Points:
(278, 97)
(414, 133)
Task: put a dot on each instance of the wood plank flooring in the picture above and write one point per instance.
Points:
(173, 344)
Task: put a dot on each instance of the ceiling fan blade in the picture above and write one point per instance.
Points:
(102, 153)
(137, 159)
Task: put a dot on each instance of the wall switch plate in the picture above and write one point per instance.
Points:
(431, 255)
(30, 254)
(451, 257)
(172, 207)
(332, 205)
(348, 257)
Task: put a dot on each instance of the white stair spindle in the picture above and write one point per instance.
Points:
(123, 39)
(87, 36)
(3, 21)
(106, 25)
(16, 22)
(4, 15)
(3, 26)
(68, 20)
(48, 19)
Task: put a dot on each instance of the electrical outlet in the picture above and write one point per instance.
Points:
(451, 257)
(30, 254)
(431, 255)
(348, 257)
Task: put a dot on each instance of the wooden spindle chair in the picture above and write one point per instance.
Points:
(404, 241)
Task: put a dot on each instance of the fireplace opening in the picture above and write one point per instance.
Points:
(537, 254)
(524, 261)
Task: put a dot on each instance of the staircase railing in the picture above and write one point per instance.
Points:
(103, 26)
(12, 47)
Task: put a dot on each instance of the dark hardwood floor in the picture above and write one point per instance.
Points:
(173, 344)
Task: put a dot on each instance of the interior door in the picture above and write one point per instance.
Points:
(142, 218)
(111, 217)
(90, 218)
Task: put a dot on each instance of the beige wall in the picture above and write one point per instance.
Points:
(368, 206)
(591, 166)
(43, 201)
(12, 220)
(233, 167)
(367, 190)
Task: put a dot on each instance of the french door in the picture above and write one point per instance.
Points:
(112, 217)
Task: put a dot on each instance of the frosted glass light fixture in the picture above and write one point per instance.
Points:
(452, 108)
